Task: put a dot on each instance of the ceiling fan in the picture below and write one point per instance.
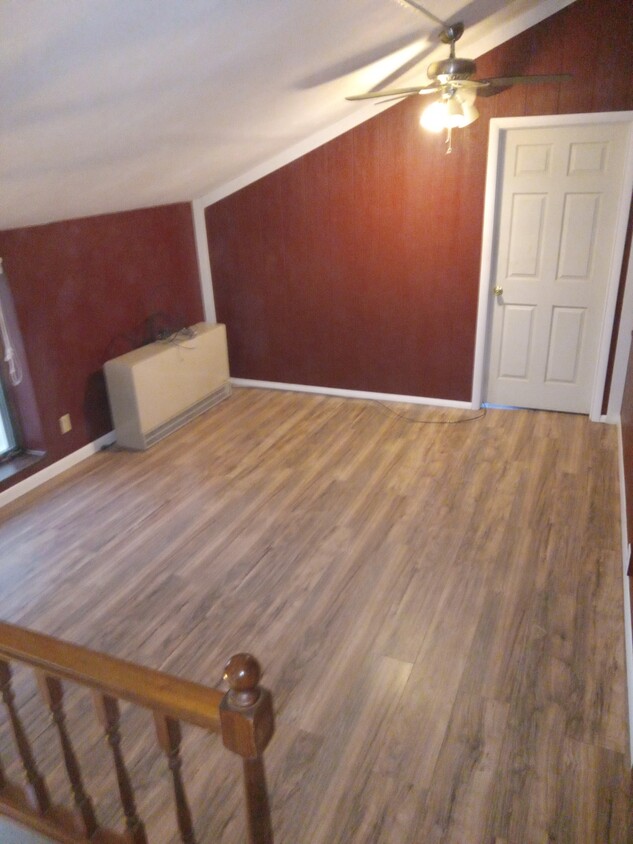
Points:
(452, 78)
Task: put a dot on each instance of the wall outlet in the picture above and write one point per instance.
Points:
(65, 425)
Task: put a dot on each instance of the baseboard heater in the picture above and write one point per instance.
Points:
(160, 387)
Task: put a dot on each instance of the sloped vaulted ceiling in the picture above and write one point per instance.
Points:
(110, 105)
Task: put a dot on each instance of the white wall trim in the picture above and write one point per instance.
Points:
(502, 125)
(628, 629)
(349, 394)
(204, 262)
(620, 362)
(39, 478)
(485, 269)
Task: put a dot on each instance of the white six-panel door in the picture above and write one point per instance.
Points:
(555, 230)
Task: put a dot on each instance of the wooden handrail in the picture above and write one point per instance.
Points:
(156, 690)
(243, 716)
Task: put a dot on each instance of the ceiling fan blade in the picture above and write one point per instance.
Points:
(467, 83)
(393, 99)
(506, 81)
(359, 61)
(389, 92)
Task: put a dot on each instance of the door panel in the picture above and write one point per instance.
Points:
(587, 158)
(516, 341)
(532, 158)
(526, 235)
(559, 198)
(580, 218)
(565, 345)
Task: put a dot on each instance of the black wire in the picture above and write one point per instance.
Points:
(179, 338)
(146, 332)
(430, 421)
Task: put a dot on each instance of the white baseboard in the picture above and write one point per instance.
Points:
(350, 394)
(626, 553)
(33, 481)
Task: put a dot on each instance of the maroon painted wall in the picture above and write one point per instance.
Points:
(83, 291)
(357, 265)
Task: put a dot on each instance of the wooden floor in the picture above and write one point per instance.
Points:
(438, 609)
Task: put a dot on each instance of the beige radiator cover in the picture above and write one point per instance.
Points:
(159, 387)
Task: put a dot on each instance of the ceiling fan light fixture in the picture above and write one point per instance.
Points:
(466, 96)
(434, 117)
(453, 111)
(470, 114)
(452, 78)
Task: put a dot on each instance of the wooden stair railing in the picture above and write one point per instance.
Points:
(243, 717)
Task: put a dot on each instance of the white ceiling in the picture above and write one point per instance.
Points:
(108, 105)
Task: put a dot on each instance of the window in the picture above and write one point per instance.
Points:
(8, 438)
(10, 375)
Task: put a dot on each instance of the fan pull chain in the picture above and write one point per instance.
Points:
(449, 141)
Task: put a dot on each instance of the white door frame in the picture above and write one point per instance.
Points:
(498, 127)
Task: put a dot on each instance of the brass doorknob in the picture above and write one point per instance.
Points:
(498, 291)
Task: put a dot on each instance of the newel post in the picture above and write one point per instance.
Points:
(246, 717)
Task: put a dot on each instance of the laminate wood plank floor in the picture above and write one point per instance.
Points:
(438, 609)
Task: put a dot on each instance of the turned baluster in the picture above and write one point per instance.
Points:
(53, 695)
(246, 716)
(108, 713)
(36, 786)
(169, 737)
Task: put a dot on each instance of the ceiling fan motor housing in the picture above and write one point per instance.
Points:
(453, 68)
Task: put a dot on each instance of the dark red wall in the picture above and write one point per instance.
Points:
(83, 291)
(357, 265)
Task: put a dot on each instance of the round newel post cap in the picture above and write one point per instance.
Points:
(242, 673)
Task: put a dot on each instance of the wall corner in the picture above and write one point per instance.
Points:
(204, 264)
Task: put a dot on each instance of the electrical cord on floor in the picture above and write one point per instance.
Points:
(430, 421)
